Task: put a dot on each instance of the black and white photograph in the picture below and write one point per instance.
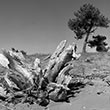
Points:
(54, 54)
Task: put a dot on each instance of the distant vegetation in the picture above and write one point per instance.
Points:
(86, 21)
(99, 42)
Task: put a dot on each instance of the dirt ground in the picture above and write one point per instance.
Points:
(88, 99)
(96, 97)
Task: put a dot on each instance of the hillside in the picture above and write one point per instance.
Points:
(95, 69)
(92, 63)
(85, 84)
(95, 95)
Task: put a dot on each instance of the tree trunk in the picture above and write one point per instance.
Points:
(86, 39)
(84, 47)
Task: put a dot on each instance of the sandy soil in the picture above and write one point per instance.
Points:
(87, 99)
(92, 97)
(95, 97)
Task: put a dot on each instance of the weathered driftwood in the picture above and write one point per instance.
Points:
(10, 83)
(27, 74)
(37, 67)
(17, 54)
(41, 86)
(4, 61)
(55, 55)
(37, 70)
(57, 64)
(2, 92)
(21, 82)
(51, 63)
(57, 92)
(60, 61)
(15, 66)
(75, 55)
(37, 63)
(64, 77)
(60, 48)
(52, 86)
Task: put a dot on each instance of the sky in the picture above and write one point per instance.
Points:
(40, 25)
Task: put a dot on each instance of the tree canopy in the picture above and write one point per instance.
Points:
(98, 42)
(87, 19)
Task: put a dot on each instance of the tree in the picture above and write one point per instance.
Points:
(99, 42)
(87, 20)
